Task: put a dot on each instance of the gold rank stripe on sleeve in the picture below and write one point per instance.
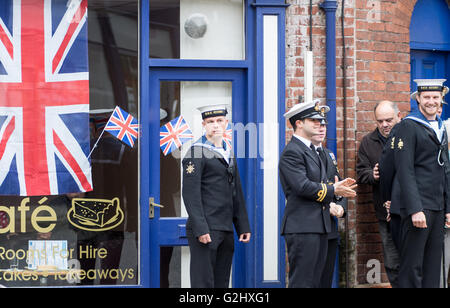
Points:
(322, 193)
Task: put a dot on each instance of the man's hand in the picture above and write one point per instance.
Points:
(419, 220)
(345, 188)
(387, 205)
(447, 220)
(336, 210)
(244, 237)
(205, 238)
(376, 172)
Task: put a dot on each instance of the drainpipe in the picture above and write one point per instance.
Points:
(330, 7)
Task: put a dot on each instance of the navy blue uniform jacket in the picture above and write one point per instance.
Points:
(212, 193)
(421, 181)
(306, 189)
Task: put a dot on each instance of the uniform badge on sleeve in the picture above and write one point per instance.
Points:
(393, 143)
(321, 194)
(400, 144)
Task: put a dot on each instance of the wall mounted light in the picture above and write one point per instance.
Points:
(196, 25)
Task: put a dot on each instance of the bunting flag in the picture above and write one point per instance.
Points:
(174, 134)
(44, 97)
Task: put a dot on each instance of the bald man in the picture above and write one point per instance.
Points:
(386, 116)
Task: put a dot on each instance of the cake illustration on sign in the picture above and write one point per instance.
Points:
(95, 214)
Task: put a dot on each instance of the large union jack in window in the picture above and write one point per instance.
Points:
(44, 97)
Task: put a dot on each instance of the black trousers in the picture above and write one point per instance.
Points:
(307, 255)
(421, 251)
(210, 265)
(326, 281)
(390, 253)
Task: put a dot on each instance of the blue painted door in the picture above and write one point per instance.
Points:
(430, 64)
(175, 92)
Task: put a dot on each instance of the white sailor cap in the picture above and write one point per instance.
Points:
(213, 110)
(307, 110)
(429, 85)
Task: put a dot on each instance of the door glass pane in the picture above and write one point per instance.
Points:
(182, 98)
(43, 242)
(197, 29)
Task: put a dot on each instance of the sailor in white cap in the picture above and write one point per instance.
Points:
(309, 192)
(215, 202)
(420, 192)
(429, 85)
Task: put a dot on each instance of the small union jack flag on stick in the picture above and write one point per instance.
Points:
(123, 126)
(174, 134)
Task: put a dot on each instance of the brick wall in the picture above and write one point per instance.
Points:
(382, 72)
(377, 67)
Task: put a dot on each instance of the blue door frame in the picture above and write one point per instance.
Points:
(246, 76)
(171, 231)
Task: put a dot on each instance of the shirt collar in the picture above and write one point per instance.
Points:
(307, 142)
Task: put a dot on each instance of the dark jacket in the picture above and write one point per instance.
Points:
(332, 171)
(306, 190)
(421, 182)
(387, 167)
(369, 154)
(212, 193)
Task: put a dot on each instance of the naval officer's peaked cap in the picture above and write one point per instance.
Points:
(307, 110)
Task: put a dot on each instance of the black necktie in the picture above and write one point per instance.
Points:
(322, 156)
(319, 151)
(316, 151)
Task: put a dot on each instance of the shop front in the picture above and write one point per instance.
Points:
(156, 60)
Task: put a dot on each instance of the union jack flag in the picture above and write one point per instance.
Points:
(123, 126)
(174, 134)
(228, 136)
(44, 97)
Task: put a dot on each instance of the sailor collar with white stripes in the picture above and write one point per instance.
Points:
(223, 151)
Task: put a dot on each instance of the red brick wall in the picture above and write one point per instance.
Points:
(377, 68)
(382, 72)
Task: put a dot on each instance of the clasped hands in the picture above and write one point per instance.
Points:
(336, 210)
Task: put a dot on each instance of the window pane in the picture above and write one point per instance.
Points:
(183, 98)
(197, 29)
(90, 238)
